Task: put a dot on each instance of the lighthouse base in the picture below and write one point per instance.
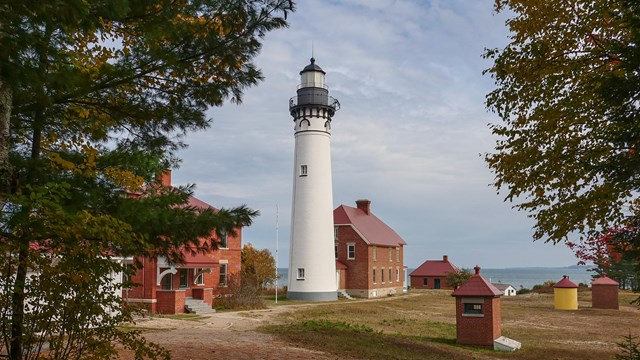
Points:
(313, 296)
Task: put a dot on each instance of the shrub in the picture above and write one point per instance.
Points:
(239, 296)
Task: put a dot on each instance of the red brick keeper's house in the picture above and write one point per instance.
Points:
(166, 288)
(369, 254)
(432, 274)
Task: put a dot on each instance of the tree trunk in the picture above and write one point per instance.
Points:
(17, 305)
(6, 98)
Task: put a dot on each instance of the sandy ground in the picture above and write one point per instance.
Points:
(227, 335)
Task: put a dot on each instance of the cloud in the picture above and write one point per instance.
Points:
(409, 135)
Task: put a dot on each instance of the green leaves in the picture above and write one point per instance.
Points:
(563, 149)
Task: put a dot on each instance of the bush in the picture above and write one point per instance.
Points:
(523, 290)
(239, 296)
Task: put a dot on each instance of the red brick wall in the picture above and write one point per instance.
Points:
(359, 272)
(170, 301)
(604, 296)
(479, 331)
(204, 294)
(417, 282)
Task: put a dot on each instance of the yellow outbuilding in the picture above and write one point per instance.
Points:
(565, 294)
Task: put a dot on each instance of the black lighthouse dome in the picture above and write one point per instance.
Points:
(312, 67)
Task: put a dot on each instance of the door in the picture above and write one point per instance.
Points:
(436, 284)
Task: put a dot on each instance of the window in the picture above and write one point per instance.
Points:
(300, 274)
(382, 275)
(200, 279)
(336, 250)
(390, 254)
(184, 278)
(224, 244)
(397, 275)
(167, 281)
(398, 254)
(425, 281)
(389, 274)
(473, 308)
(351, 251)
(373, 254)
(374, 276)
(335, 233)
(223, 275)
(303, 170)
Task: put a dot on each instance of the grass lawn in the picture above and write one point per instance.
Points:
(422, 326)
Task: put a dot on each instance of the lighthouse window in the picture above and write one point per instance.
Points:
(351, 251)
(300, 274)
(303, 170)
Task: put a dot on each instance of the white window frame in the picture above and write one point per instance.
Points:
(303, 170)
(224, 240)
(300, 274)
(374, 254)
(349, 256)
(223, 278)
(200, 279)
(375, 281)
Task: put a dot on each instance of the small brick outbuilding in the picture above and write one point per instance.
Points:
(432, 274)
(478, 316)
(604, 293)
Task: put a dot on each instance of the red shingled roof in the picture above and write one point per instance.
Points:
(565, 283)
(477, 286)
(604, 280)
(372, 229)
(434, 268)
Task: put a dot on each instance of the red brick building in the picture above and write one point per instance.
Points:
(369, 254)
(432, 274)
(478, 315)
(166, 288)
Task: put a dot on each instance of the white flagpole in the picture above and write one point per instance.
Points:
(277, 212)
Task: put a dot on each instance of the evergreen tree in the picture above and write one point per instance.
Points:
(95, 98)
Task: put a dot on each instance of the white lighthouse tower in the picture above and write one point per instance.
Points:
(312, 267)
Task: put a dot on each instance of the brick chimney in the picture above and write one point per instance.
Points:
(364, 205)
(445, 258)
(165, 178)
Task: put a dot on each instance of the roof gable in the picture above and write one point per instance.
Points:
(372, 229)
(566, 283)
(477, 286)
(604, 280)
(434, 268)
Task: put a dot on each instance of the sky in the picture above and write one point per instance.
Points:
(409, 136)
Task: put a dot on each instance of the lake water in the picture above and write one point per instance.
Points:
(525, 277)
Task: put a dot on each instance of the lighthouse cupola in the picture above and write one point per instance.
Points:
(313, 95)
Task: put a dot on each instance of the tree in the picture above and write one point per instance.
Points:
(258, 267)
(457, 278)
(94, 101)
(567, 90)
(614, 253)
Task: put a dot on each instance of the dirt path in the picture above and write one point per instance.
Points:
(228, 335)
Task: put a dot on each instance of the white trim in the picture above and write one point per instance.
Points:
(146, 301)
(171, 270)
